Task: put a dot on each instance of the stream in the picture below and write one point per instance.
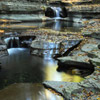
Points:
(20, 67)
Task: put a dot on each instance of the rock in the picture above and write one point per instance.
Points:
(92, 28)
(98, 46)
(43, 44)
(92, 8)
(96, 61)
(19, 7)
(89, 47)
(59, 87)
(96, 35)
(41, 48)
(70, 63)
(50, 12)
(63, 13)
(73, 91)
(89, 93)
(3, 49)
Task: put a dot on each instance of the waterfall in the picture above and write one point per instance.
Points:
(57, 25)
(12, 42)
(57, 11)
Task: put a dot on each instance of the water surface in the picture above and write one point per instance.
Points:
(21, 67)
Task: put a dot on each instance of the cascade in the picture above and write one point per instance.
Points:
(57, 24)
(12, 42)
(57, 11)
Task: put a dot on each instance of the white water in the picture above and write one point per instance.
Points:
(57, 11)
(57, 24)
(12, 41)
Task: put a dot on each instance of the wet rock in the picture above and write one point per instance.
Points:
(83, 56)
(3, 49)
(96, 61)
(41, 47)
(50, 12)
(98, 46)
(76, 64)
(63, 13)
(43, 44)
(54, 44)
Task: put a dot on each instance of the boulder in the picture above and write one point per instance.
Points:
(50, 12)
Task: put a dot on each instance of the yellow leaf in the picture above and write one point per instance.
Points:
(98, 98)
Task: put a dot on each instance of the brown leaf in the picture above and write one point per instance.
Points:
(60, 86)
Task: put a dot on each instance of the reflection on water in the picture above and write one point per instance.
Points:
(53, 75)
(55, 24)
(26, 91)
(21, 67)
(61, 25)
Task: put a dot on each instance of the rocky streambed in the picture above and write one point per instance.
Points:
(48, 40)
(3, 49)
(87, 55)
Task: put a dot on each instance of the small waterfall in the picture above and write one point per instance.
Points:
(12, 42)
(57, 25)
(57, 11)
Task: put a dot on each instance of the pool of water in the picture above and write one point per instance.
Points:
(27, 91)
(63, 25)
(55, 24)
(21, 67)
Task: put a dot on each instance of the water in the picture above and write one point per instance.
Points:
(21, 91)
(21, 67)
(62, 25)
(55, 24)
(57, 11)
(12, 42)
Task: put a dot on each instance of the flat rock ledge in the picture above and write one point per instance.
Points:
(87, 8)
(48, 40)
